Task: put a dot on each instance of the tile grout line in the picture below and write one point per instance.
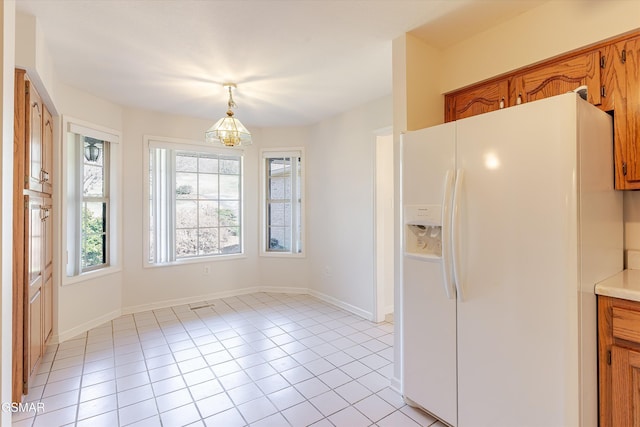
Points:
(252, 319)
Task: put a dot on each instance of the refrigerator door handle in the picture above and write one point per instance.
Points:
(455, 234)
(447, 272)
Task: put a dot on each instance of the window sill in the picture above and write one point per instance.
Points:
(197, 260)
(282, 255)
(90, 275)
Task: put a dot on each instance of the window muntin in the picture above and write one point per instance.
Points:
(283, 205)
(195, 204)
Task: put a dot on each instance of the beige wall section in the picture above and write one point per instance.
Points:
(33, 55)
(417, 98)
(425, 103)
(7, 43)
(546, 31)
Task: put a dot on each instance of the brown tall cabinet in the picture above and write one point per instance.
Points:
(32, 232)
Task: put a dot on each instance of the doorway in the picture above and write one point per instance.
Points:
(384, 226)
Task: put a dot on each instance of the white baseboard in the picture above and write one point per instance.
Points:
(211, 296)
(343, 305)
(396, 385)
(281, 290)
(70, 333)
(187, 300)
(77, 330)
(388, 309)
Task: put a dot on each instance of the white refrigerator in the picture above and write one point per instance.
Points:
(509, 220)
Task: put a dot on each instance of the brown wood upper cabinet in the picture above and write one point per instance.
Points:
(478, 100)
(611, 72)
(39, 149)
(628, 139)
(559, 77)
(47, 151)
(33, 147)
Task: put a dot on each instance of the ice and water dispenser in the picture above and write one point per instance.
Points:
(423, 230)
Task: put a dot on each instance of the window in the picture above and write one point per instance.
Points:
(95, 204)
(195, 202)
(283, 202)
(91, 217)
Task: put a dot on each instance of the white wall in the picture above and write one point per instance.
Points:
(296, 270)
(340, 206)
(85, 304)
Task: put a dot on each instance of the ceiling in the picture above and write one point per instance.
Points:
(295, 62)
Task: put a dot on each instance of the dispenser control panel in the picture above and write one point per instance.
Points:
(423, 214)
(423, 230)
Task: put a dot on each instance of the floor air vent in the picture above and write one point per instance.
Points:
(198, 307)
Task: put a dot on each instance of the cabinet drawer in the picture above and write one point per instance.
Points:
(626, 324)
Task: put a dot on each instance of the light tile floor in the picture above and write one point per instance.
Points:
(255, 360)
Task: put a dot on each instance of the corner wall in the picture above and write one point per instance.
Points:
(340, 206)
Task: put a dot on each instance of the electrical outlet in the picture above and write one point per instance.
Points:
(206, 270)
(327, 271)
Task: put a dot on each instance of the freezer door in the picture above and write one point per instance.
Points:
(518, 352)
(428, 315)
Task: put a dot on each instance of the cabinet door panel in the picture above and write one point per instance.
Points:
(33, 146)
(47, 309)
(34, 251)
(34, 333)
(482, 99)
(47, 151)
(632, 70)
(558, 78)
(613, 77)
(47, 300)
(625, 387)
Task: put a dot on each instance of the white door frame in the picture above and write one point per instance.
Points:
(381, 305)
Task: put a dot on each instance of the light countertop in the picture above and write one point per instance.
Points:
(624, 285)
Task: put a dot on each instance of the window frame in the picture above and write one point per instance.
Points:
(73, 130)
(193, 146)
(270, 153)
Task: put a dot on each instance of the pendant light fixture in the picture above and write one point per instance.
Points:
(228, 131)
(91, 151)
